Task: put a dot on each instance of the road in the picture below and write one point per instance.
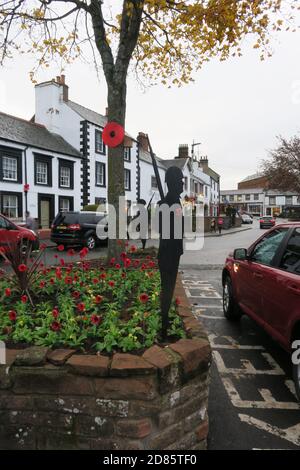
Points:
(251, 403)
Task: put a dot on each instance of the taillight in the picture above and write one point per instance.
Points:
(74, 227)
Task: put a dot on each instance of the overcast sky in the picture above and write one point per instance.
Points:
(235, 108)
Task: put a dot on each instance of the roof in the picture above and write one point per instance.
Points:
(226, 192)
(252, 177)
(90, 115)
(20, 131)
(213, 174)
(146, 157)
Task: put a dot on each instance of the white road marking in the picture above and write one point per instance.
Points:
(291, 434)
(247, 368)
(233, 344)
(267, 402)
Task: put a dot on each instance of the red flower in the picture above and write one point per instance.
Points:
(71, 252)
(95, 319)
(12, 315)
(136, 263)
(55, 326)
(68, 280)
(144, 298)
(133, 248)
(123, 255)
(103, 276)
(117, 266)
(98, 299)
(55, 312)
(24, 299)
(22, 268)
(7, 292)
(111, 283)
(112, 261)
(148, 257)
(55, 256)
(60, 248)
(151, 264)
(123, 275)
(95, 280)
(42, 284)
(52, 280)
(83, 252)
(58, 273)
(127, 262)
(81, 307)
(62, 262)
(76, 294)
(26, 187)
(42, 265)
(177, 301)
(143, 267)
(126, 243)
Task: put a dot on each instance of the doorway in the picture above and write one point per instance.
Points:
(45, 209)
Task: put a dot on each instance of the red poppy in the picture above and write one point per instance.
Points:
(113, 134)
(83, 252)
(62, 262)
(95, 319)
(55, 312)
(60, 248)
(144, 298)
(143, 267)
(58, 273)
(111, 283)
(151, 264)
(123, 275)
(81, 307)
(26, 187)
(95, 280)
(12, 315)
(112, 261)
(148, 257)
(55, 326)
(136, 263)
(133, 248)
(103, 276)
(127, 262)
(98, 299)
(44, 271)
(42, 284)
(76, 294)
(7, 292)
(24, 299)
(68, 280)
(117, 266)
(177, 301)
(22, 268)
(71, 252)
(123, 255)
(52, 280)
(126, 243)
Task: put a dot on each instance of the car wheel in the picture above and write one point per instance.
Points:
(90, 242)
(230, 307)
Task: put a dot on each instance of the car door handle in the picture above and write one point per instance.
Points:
(294, 289)
(258, 275)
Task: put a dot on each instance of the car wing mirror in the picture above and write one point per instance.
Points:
(240, 254)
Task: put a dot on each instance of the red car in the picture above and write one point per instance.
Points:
(11, 233)
(263, 281)
(267, 222)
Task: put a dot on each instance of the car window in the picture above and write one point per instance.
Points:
(3, 223)
(265, 250)
(291, 257)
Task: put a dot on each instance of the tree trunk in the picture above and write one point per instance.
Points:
(116, 112)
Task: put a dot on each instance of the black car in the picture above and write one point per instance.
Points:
(77, 228)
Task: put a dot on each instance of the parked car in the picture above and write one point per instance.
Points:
(246, 219)
(267, 222)
(263, 282)
(77, 228)
(11, 234)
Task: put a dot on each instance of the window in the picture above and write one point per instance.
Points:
(289, 199)
(153, 182)
(10, 205)
(291, 257)
(65, 177)
(231, 198)
(247, 197)
(43, 170)
(205, 191)
(127, 178)
(185, 183)
(265, 250)
(127, 154)
(99, 144)
(256, 197)
(240, 197)
(10, 165)
(100, 174)
(10, 168)
(223, 198)
(196, 187)
(272, 200)
(65, 204)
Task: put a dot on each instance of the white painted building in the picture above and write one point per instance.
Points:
(43, 161)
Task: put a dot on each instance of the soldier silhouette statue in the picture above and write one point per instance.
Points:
(171, 243)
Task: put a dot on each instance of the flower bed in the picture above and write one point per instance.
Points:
(90, 308)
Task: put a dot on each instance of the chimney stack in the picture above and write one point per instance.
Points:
(61, 81)
(183, 151)
(143, 141)
(203, 163)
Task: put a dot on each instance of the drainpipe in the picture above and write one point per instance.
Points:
(25, 171)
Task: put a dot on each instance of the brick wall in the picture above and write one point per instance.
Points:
(63, 400)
